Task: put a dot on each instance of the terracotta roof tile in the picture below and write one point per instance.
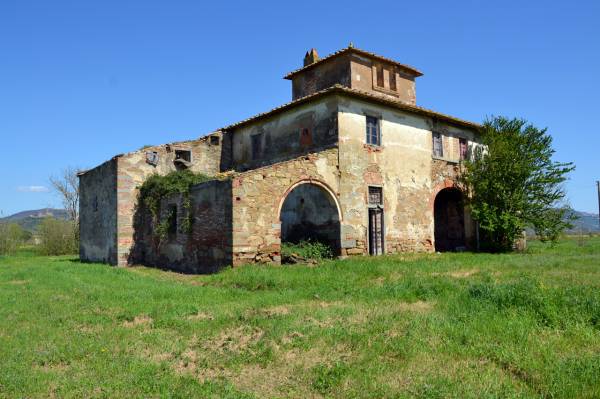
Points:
(349, 49)
(360, 94)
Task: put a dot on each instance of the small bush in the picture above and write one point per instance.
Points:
(58, 237)
(307, 249)
(12, 236)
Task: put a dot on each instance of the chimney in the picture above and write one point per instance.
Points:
(311, 57)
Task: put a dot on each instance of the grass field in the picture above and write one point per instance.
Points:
(452, 325)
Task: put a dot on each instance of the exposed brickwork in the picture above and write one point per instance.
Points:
(257, 198)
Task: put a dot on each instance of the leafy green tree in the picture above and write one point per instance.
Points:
(12, 236)
(513, 183)
(57, 237)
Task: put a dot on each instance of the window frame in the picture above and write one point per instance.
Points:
(368, 132)
(379, 190)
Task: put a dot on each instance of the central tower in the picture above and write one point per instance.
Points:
(356, 69)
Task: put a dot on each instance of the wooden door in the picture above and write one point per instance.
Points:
(375, 231)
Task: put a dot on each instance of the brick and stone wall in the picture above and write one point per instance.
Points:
(126, 174)
(259, 194)
(133, 169)
(203, 249)
(235, 220)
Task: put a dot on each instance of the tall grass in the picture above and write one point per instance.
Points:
(426, 326)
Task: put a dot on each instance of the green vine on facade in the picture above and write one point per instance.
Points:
(157, 187)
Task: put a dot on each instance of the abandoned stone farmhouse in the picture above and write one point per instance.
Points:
(351, 160)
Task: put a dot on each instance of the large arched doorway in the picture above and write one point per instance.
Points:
(310, 213)
(449, 220)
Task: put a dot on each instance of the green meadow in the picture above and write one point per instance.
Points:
(463, 325)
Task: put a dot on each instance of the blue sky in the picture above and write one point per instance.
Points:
(81, 81)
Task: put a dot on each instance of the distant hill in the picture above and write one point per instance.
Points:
(29, 220)
(586, 222)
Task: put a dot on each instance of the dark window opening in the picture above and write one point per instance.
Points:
(463, 148)
(184, 155)
(214, 140)
(375, 196)
(256, 146)
(305, 137)
(172, 221)
(183, 159)
(95, 204)
(373, 131)
(379, 70)
(438, 147)
(393, 80)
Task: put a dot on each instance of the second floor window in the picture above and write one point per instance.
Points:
(438, 147)
(463, 148)
(373, 131)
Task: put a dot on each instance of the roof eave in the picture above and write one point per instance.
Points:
(338, 89)
(364, 53)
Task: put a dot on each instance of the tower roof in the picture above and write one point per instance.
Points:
(353, 50)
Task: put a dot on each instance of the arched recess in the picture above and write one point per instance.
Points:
(310, 211)
(449, 220)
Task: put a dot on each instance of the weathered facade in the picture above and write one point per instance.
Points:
(351, 161)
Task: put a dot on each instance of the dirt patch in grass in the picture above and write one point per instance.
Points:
(53, 367)
(187, 364)
(364, 313)
(157, 357)
(276, 311)
(18, 282)
(141, 320)
(165, 275)
(89, 328)
(291, 337)
(269, 313)
(200, 316)
(235, 340)
(463, 273)
(458, 273)
(288, 376)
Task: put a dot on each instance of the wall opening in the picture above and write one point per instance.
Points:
(310, 213)
(449, 220)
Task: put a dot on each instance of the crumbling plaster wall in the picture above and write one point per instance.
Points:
(98, 217)
(403, 166)
(301, 130)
